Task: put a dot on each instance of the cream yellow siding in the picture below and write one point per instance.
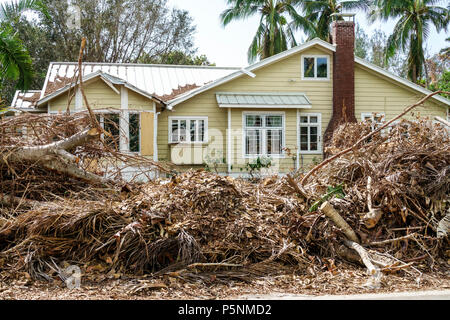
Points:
(283, 76)
(373, 93)
(102, 96)
(98, 93)
(376, 93)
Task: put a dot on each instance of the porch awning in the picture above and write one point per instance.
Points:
(263, 100)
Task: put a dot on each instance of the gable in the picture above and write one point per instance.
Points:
(284, 75)
(315, 44)
(375, 92)
(99, 95)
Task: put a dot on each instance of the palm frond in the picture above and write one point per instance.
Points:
(13, 9)
(15, 61)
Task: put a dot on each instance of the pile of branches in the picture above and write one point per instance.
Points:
(392, 191)
(389, 197)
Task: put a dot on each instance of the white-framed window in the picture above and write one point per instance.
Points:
(376, 119)
(315, 67)
(188, 129)
(110, 122)
(310, 133)
(264, 134)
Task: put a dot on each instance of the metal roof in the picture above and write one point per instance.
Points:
(26, 100)
(262, 100)
(265, 62)
(108, 79)
(158, 80)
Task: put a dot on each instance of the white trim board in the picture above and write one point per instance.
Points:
(251, 68)
(287, 53)
(266, 106)
(400, 80)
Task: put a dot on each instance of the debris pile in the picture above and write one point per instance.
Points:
(390, 196)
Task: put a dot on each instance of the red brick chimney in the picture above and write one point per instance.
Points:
(343, 36)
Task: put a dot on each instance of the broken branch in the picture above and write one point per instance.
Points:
(358, 144)
(331, 213)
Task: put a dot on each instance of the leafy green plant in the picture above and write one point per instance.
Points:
(257, 165)
(337, 191)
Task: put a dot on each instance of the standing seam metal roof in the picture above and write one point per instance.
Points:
(272, 99)
(158, 80)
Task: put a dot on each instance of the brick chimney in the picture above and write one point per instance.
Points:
(343, 36)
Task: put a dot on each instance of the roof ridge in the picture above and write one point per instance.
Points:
(144, 65)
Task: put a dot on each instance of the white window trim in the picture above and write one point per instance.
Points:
(127, 136)
(264, 142)
(117, 111)
(365, 115)
(320, 137)
(315, 67)
(188, 136)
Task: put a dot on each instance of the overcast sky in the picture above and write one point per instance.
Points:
(228, 46)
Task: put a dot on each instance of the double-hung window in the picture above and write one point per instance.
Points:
(264, 134)
(315, 67)
(310, 138)
(188, 130)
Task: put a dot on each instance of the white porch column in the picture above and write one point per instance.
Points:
(229, 142)
(124, 120)
(155, 133)
(298, 141)
(78, 100)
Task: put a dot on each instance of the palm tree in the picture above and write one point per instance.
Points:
(15, 61)
(446, 51)
(320, 13)
(416, 17)
(275, 33)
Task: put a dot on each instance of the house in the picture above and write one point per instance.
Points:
(282, 107)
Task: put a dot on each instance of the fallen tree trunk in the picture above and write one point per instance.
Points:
(55, 156)
(443, 229)
(334, 216)
(8, 200)
(374, 215)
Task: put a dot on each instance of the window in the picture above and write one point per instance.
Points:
(375, 119)
(135, 132)
(111, 123)
(315, 67)
(189, 130)
(310, 132)
(263, 134)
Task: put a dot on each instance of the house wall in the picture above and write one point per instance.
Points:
(284, 76)
(101, 96)
(373, 93)
(376, 93)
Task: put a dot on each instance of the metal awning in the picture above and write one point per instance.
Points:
(263, 100)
